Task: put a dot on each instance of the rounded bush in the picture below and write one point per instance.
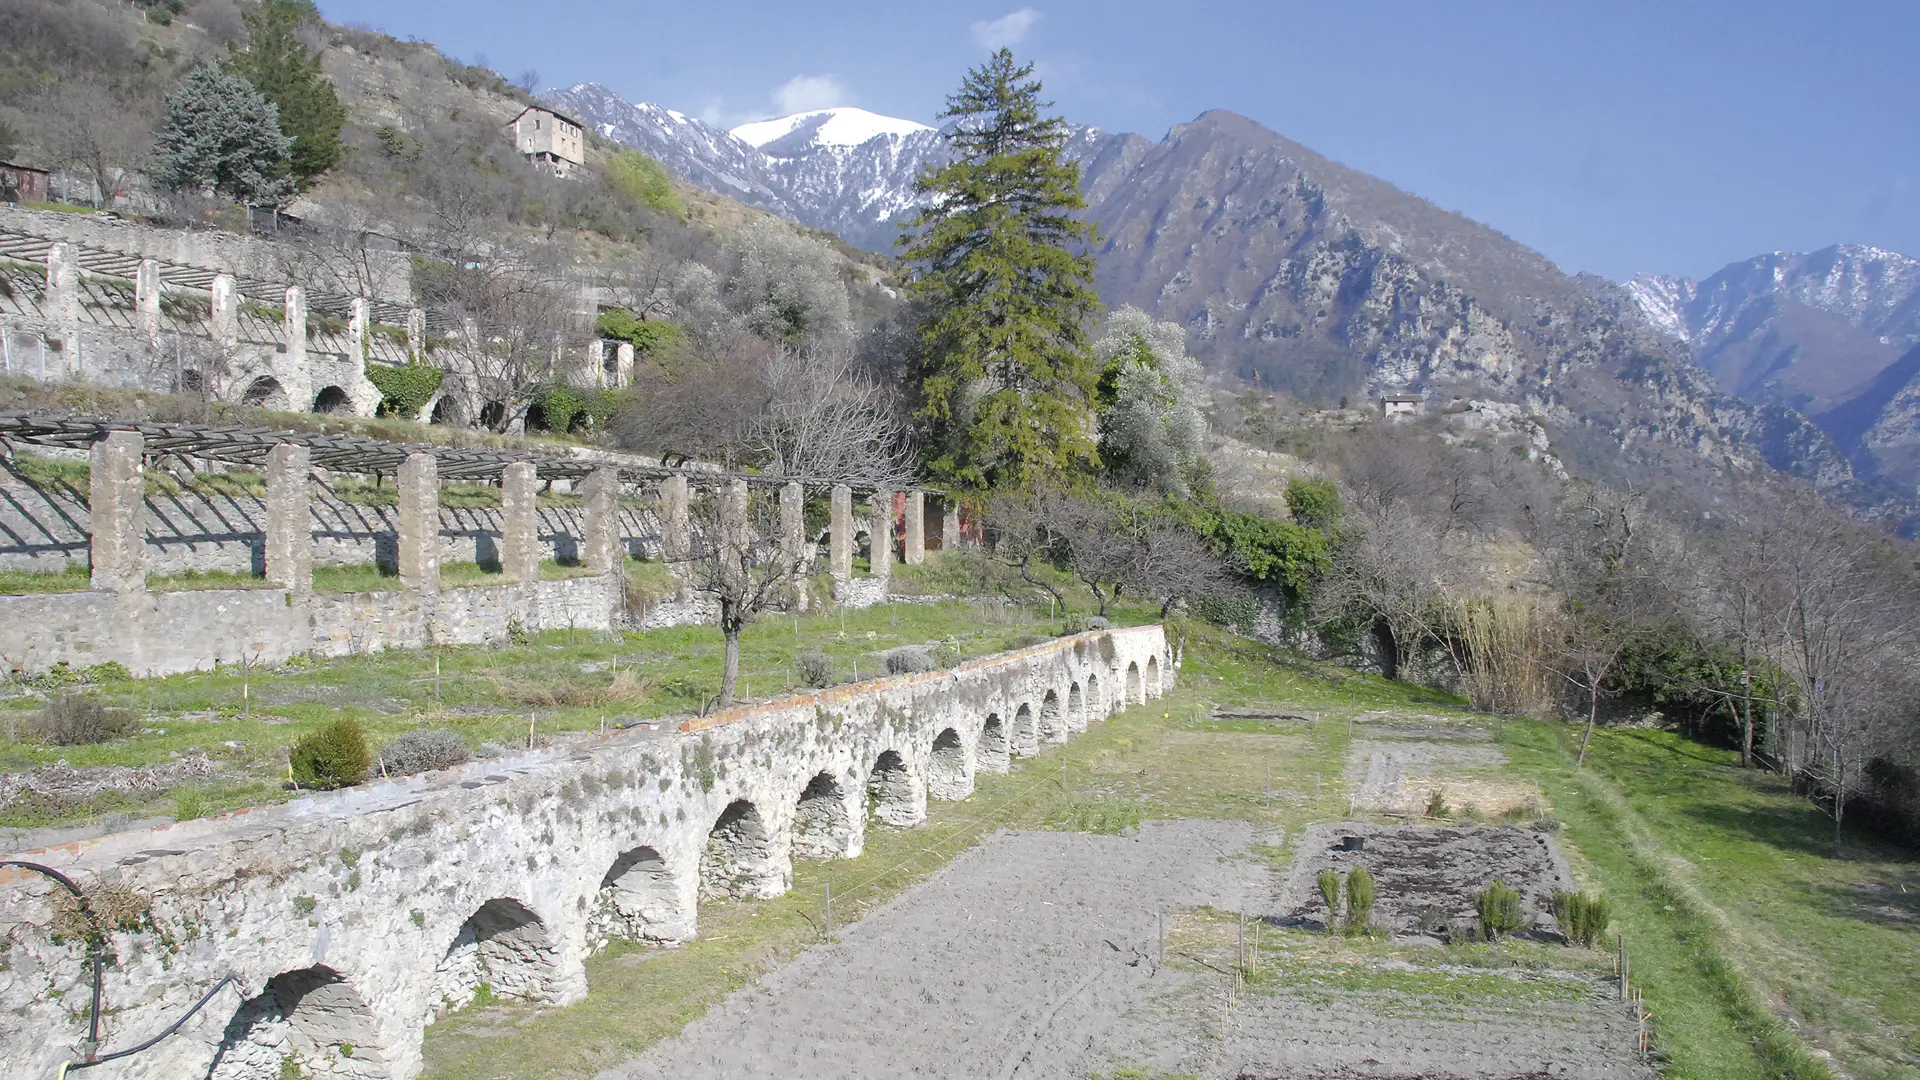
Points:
(815, 668)
(909, 660)
(336, 756)
(423, 750)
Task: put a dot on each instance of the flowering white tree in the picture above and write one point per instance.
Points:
(1152, 429)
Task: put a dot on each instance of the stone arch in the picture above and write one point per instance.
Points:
(493, 414)
(822, 824)
(640, 899)
(947, 776)
(312, 1016)
(740, 861)
(1095, 707)
(1025, 742)
(504, 947)
(266, 392)
(991, 752)
(1134, 693)
(1053, 725)
(447, 409)
(332, 399)
(1076, 708)
(894, 794)
(1153, 676)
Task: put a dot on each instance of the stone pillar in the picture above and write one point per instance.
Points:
(63, 304)
(297, 377)
(840, 539)
(419, 484)
(597, 362)
(675, 544)
(289, 518)
(794, 548)
(601, 543)
(417, 335)
(736, 535)
(226, 312)
(880, 533)
(117, 494)
(623, 360)
(915, 548)
(949, 523)
(519, 522)
(146, 298)
(358, 322)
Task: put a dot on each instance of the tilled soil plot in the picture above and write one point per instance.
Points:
(1016, 960)
(1425, 879)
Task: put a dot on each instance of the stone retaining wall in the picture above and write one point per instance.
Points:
(358, 917)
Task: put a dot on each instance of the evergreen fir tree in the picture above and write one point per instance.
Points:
(1000, 268)
(278, 64)
(221, 135)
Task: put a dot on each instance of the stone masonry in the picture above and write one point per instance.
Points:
(358, 917)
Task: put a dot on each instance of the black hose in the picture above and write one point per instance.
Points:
(96, 941)
(229, 977)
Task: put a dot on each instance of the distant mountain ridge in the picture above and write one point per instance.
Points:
(1830, 333)
(1292, 272)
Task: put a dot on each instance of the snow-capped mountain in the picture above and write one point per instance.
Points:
(1830, 333)
(845, 170)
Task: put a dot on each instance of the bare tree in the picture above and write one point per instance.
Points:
(342, 251)
(823, 419)
(95, 128)
(737, 558)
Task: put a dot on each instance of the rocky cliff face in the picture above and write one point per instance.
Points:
(1296, 273)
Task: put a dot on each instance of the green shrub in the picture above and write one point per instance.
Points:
(76, 720)
(947, 653)
(645, 335)
(1359, 899)
(423, 750)
(815, 668)
(336, 756)
(405, 389)
(1499, 908)
(1583, 916)
(909, 660)
(645, 180)
(1330, 893)
(1081, 623)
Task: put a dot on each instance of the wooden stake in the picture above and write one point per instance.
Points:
(829, 911)
(529, 731)
(436, 677)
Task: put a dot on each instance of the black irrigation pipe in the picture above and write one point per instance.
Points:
(96, 940)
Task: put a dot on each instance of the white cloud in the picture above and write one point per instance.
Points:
(1006, 31)
(805, 93)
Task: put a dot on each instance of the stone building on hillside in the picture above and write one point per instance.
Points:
(22, 183)
(1393, 405)
(546, 137)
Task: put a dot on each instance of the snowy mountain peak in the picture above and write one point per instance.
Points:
(822, 127)
(1663, 300)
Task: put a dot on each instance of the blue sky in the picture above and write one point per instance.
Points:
(1613, 135)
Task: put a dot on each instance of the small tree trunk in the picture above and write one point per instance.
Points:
(1593, 716)
(1746, 711)
(731, 672)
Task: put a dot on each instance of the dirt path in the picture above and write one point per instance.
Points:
(1013, 962)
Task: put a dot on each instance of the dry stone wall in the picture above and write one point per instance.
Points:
(357, 918)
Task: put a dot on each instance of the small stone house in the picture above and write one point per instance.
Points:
(22, 183)
(1402, 404)
(549, 138)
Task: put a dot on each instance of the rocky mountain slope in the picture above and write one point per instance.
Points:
(1830, 333)
(1293, 272)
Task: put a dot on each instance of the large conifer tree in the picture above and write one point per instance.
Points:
(1001, 270)
(277, 63)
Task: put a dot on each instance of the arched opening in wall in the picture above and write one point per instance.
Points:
(1025, 742)
(503, 947)
(947, 767)
(1153, 676)
(332, 399)
(890, 792)
(448, 410)
(1385, 652)
(493, 415)
(638, 900)
(1134, 696)
(305, 1018)
(1053, 726)
(1094, 704)
(991, 754)
(738, 863)
(1076, 709)
(536, 417)
(266, 392)
(822, 827)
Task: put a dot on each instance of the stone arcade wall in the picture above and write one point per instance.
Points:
(358, 917)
